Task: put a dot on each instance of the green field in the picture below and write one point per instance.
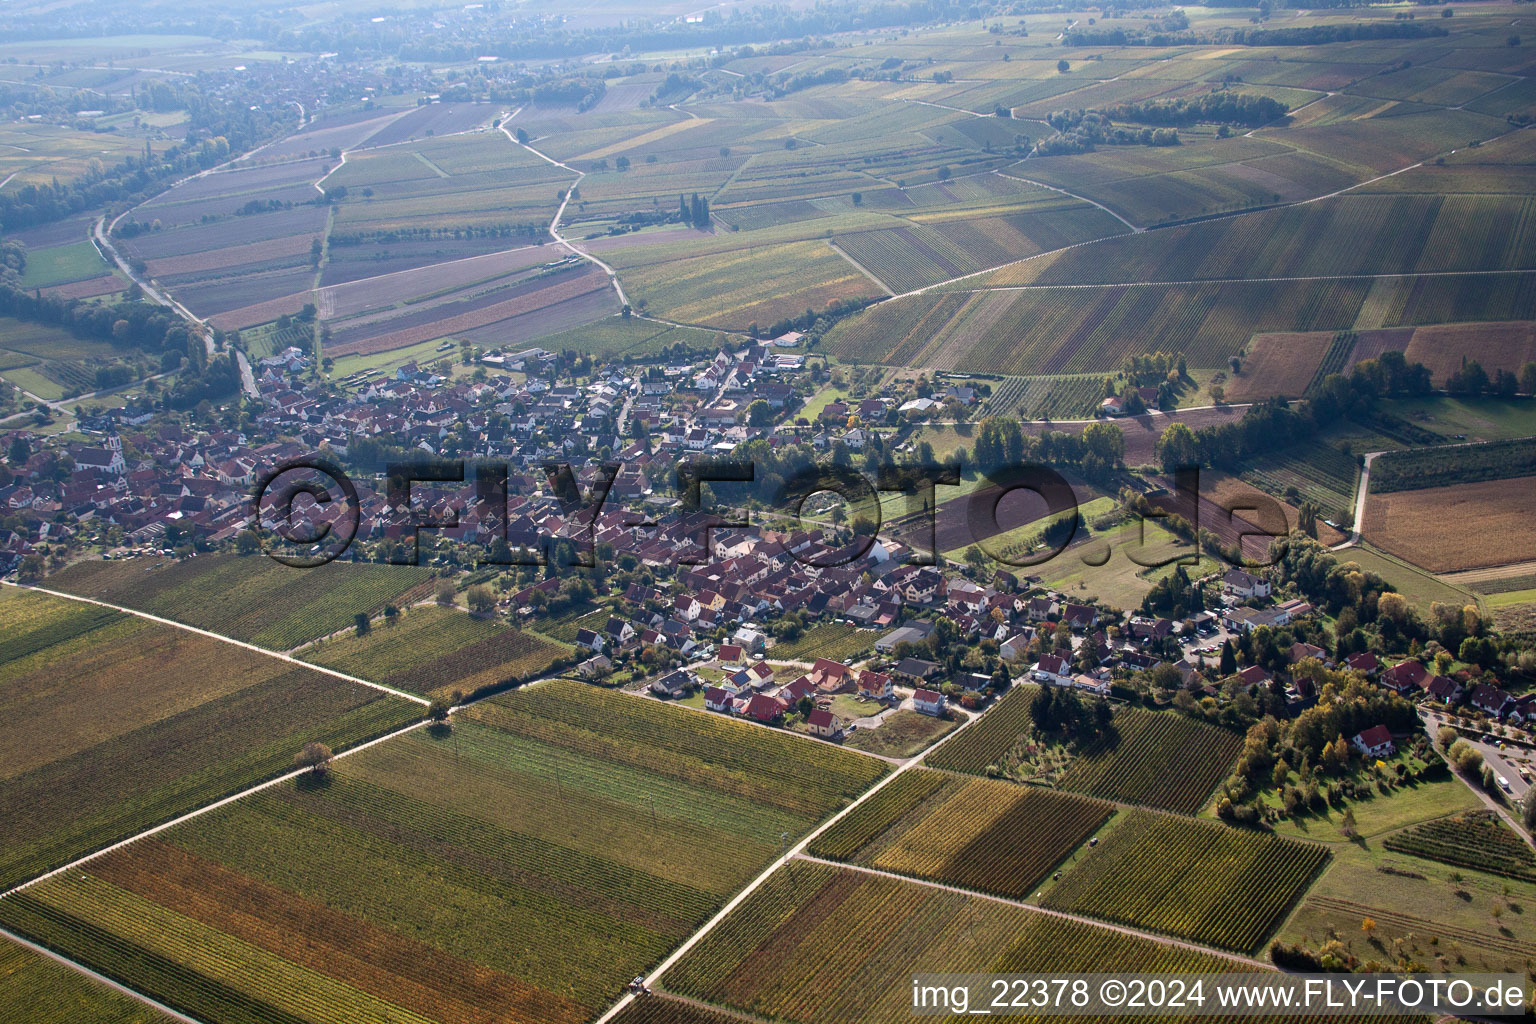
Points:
(434, 651)
(39, 990)
(1448, 918)
(62, 264)
(971, 833)
(473, 876)
(1246, 884)
(1419, 587)
(145, 722)
(900, 734)
(830, 945)
(250, 598)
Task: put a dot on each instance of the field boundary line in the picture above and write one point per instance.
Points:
(735, 901)
(279, 655)
(1166, 940)
(98, 977)
(861, 268)
(554, 225)
(206, 808)
(1002, 172)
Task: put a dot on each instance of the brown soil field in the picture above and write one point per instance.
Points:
(1230, 492)
(261, 312)
(87, 289)
(568, 287)
(1279, 364)
(1255, 531)
(1497, 346)
(1466, 526)
(355, 297)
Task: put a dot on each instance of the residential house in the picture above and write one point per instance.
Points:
(673, 684)
(876, 685)
(929, 702)
(1405, 677)
(821, 722)
(1245, 584)
(915, 670)
(1374, 742)
(1053, 669)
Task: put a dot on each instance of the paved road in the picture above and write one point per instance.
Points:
(1360, 492)
(1505, 762)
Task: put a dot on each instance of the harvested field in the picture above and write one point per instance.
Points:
(1465, 526)
(91, 287)
(436, 119)
(238, 292)
(261, 312)
(1227, 491)
(1497, 346)
(818, 944)
(231, 256)
(345, 263)
(1278, 364)
(39, 990)
(249, 598)
(258, 227)
(1246, 884)
(976, 834)
(435, 651)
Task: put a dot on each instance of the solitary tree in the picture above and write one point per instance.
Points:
(445, 592)
(437, 711)
(315, 756)
(360, 623)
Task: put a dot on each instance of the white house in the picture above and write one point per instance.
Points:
(929, 702)
(1052, 669)
(1245, 585)
(1374, 742)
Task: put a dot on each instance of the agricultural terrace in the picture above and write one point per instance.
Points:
(1245, 885)
(1158, 759)
(972, 833)
(144, 722)
(831, 945)
(1447, 528)
(471, 874)
(250, 598)
(436, 651)
(37, 989)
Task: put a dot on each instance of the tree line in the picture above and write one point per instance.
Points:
(1221, 107)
